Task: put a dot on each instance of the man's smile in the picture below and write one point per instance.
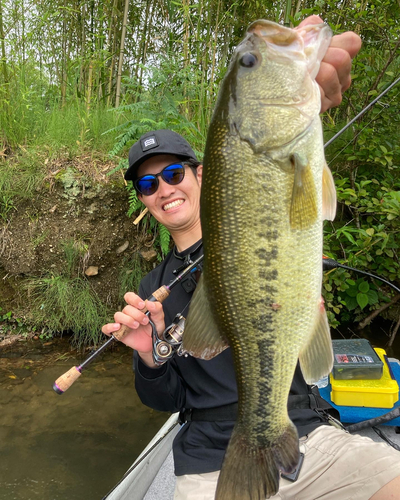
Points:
(172, 204)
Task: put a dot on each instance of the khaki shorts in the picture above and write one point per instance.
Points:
(337, 466)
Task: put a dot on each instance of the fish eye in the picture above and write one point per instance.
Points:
(248, 60)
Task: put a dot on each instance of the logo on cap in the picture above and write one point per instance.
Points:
(149, 143)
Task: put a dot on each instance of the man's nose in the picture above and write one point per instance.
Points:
(164, 188)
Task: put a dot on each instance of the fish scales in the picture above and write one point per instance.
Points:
(262, 210)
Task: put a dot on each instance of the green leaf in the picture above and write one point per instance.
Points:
(352, 291)
(363, 287)
(362, 300)
(351, 303)
(372, 297)
(164, 238)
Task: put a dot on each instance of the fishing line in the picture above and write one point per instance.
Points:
(362, 112)
(386, 438)
(385, 106)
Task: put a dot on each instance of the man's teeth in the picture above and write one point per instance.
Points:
(173, 204)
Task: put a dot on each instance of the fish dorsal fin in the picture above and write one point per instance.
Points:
(303, 208)
(316, 358)
(328, 194)
(201, 337)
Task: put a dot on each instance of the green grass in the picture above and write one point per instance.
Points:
(76, 129)
(131, 272)
(61, 304)
(67, 132)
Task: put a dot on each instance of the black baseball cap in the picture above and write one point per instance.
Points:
(155, 143)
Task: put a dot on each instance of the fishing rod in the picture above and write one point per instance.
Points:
(361, 113)
(329, 264)
(65, 381)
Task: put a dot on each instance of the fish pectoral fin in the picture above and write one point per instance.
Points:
(316, 358)
(303, 208)
(328, 194)
(201, 337)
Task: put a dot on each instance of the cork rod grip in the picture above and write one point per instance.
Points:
(65, 381)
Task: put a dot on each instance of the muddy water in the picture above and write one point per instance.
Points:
(70, 447)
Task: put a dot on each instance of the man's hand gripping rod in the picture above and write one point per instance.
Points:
(65, 381)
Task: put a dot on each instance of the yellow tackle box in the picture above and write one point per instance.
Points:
(379, 393)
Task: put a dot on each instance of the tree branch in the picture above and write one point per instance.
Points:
(373, 315)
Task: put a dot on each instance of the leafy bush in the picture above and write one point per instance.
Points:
(61, 303)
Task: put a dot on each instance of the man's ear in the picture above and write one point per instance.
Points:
(199, 174)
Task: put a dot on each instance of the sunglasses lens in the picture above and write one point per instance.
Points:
(173, 174)
(147, 185)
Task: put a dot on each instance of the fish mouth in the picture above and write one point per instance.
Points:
(283, 40)
(172, 204)
(276, 33)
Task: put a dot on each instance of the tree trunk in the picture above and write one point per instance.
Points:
(121, 54)
(3, 48)
(112, 33)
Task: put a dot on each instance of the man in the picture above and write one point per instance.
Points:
(167, 177)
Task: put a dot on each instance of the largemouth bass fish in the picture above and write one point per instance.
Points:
(266, 190)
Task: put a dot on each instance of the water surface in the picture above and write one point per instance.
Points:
(75, 446)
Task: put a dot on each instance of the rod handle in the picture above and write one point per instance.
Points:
(159, 295)
(65, 381)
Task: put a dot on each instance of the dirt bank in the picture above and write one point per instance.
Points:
(77, 206)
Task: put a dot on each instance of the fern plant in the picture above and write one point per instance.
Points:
(161, 105)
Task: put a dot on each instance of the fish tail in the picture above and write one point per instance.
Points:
(252, 472)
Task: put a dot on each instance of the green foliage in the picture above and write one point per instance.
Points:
(131, 272)
(366, 236)
(165, 238)
(75, 252)
(66, 301)
(134, 203)
(161, 105)
(6, 206)
(57, 84)
(9, 323)
(76, 129)
(61, 303)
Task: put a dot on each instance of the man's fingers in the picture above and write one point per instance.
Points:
(310, 20)
(110, 328)
(126, 318)
(330, 86)
(348, 41)
(337, 64)
(156, 314)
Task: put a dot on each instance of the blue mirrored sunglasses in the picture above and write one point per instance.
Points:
(171, 174)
